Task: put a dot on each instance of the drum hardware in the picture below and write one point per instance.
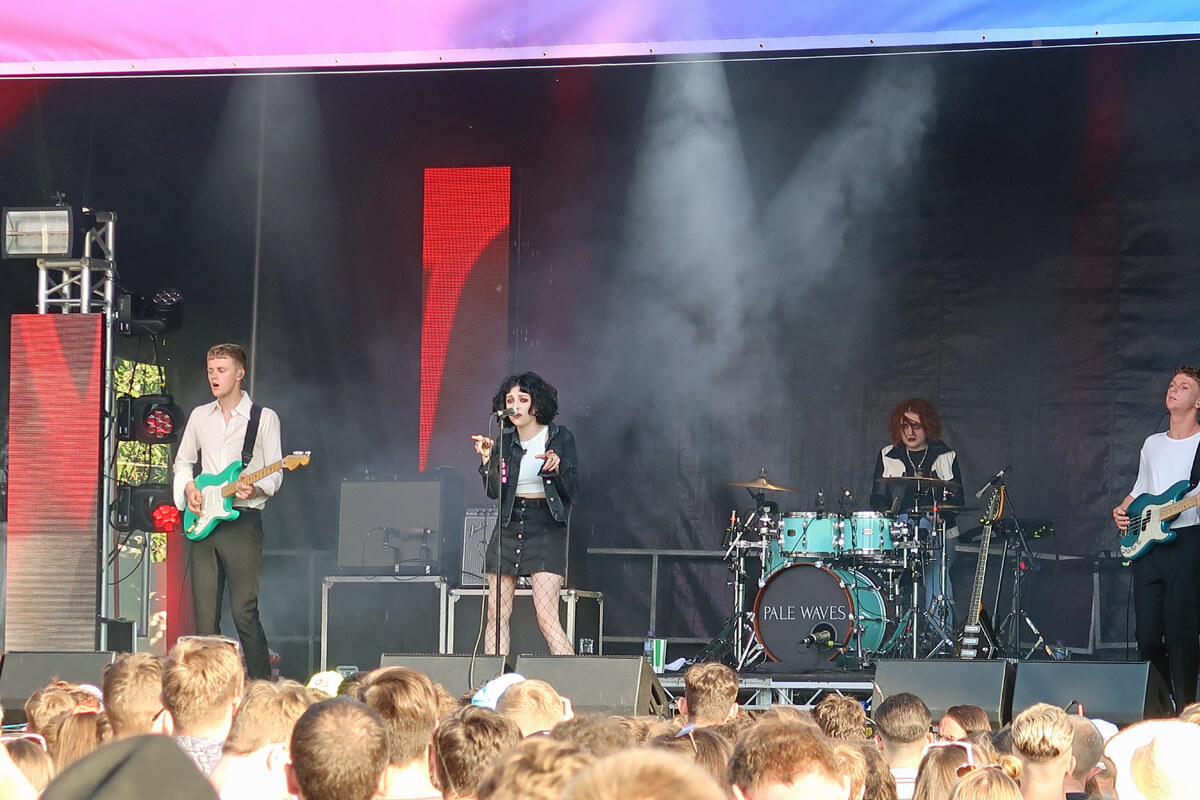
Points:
(921, 482)
(947, 507)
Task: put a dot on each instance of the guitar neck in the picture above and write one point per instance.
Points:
(985, 542)
(252, 477)
(1175, 509)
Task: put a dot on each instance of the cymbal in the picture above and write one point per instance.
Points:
(761, 483)
(918, 481)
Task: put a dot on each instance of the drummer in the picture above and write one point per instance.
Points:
(917, 451)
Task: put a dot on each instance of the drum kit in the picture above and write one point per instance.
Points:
(837, 585)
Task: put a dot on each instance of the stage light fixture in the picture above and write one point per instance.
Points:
(161, 313)
(147, 507)
(38, 232)
(151, 418)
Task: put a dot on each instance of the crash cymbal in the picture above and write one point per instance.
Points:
(761, 483)
(918, 480)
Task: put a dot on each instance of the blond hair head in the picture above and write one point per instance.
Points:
(1042, 733)
(711, 690)
(132, 687)
(536, 769)
(643, 775)
(267, 715)
(534, 705)
(201, 677)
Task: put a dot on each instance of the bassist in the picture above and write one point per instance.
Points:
(1166, 580)
(215, 437)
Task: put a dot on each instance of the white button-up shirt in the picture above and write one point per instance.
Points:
(218, 444)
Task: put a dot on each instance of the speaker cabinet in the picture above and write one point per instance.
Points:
(941, 684)
(458, 673)
(478, 525)
(402, 527)
(604, 684)
(1118, 691)
(24, 672)
(364, 617)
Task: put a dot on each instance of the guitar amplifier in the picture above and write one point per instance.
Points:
(402, 527)
(478, 525)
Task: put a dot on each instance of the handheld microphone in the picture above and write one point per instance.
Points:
(999, 476)
(505, 412)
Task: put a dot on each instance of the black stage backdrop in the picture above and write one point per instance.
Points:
(723, 267)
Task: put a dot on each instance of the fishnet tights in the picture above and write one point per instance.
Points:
(546, 586)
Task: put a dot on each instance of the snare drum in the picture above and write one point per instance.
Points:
(870, 534)
(805, 598)
(805, 535)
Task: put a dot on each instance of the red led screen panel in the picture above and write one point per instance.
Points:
(464, 318)
(54, 482)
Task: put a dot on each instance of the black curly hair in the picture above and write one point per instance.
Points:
(544, 397)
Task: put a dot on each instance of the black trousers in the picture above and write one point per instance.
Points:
(232, 555)
(1166, 602)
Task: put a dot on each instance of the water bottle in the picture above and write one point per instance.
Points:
(648, 647)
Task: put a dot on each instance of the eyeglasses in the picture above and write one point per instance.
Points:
(910, 425)
(688, 731)
(228, 641)
(967, 748)
(36, 738)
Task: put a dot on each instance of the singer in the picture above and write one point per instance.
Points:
(917, 450)
(536, 487)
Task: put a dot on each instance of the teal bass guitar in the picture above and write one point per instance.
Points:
(1150, 518)
(217, 493)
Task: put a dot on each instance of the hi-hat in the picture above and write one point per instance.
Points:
(761, 483)
(918, 481)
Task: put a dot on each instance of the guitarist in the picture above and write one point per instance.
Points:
(215, 437)
(1166, 580)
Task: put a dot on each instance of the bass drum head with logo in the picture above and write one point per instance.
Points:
(804, 599)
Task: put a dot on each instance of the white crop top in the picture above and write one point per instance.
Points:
(528, 482)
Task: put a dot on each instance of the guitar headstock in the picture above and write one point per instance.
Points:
(298, 458)
(995, 506)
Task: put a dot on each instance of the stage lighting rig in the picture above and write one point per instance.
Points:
(151, 418)
(161, 313)
(38, 232)
(147, 507)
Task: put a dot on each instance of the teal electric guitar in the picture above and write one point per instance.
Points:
(218, 490)
(1150, 518)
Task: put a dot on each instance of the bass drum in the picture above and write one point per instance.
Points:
(806, 599)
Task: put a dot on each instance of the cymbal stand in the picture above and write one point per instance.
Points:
(933, 614)
(940, 603)
(737, 633)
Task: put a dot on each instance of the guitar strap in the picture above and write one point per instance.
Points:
(251, 434)
(1195, 478)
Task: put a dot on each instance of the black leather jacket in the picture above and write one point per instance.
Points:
(561, 488)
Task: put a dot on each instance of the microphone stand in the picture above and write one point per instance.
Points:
(502, 479)
(1012, 623)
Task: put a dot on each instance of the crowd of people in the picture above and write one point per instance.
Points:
(191, 726)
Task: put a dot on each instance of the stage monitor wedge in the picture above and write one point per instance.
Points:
(1118, 691)
(601, 684)
(944, 683)
(455, 672)
(23, 672)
